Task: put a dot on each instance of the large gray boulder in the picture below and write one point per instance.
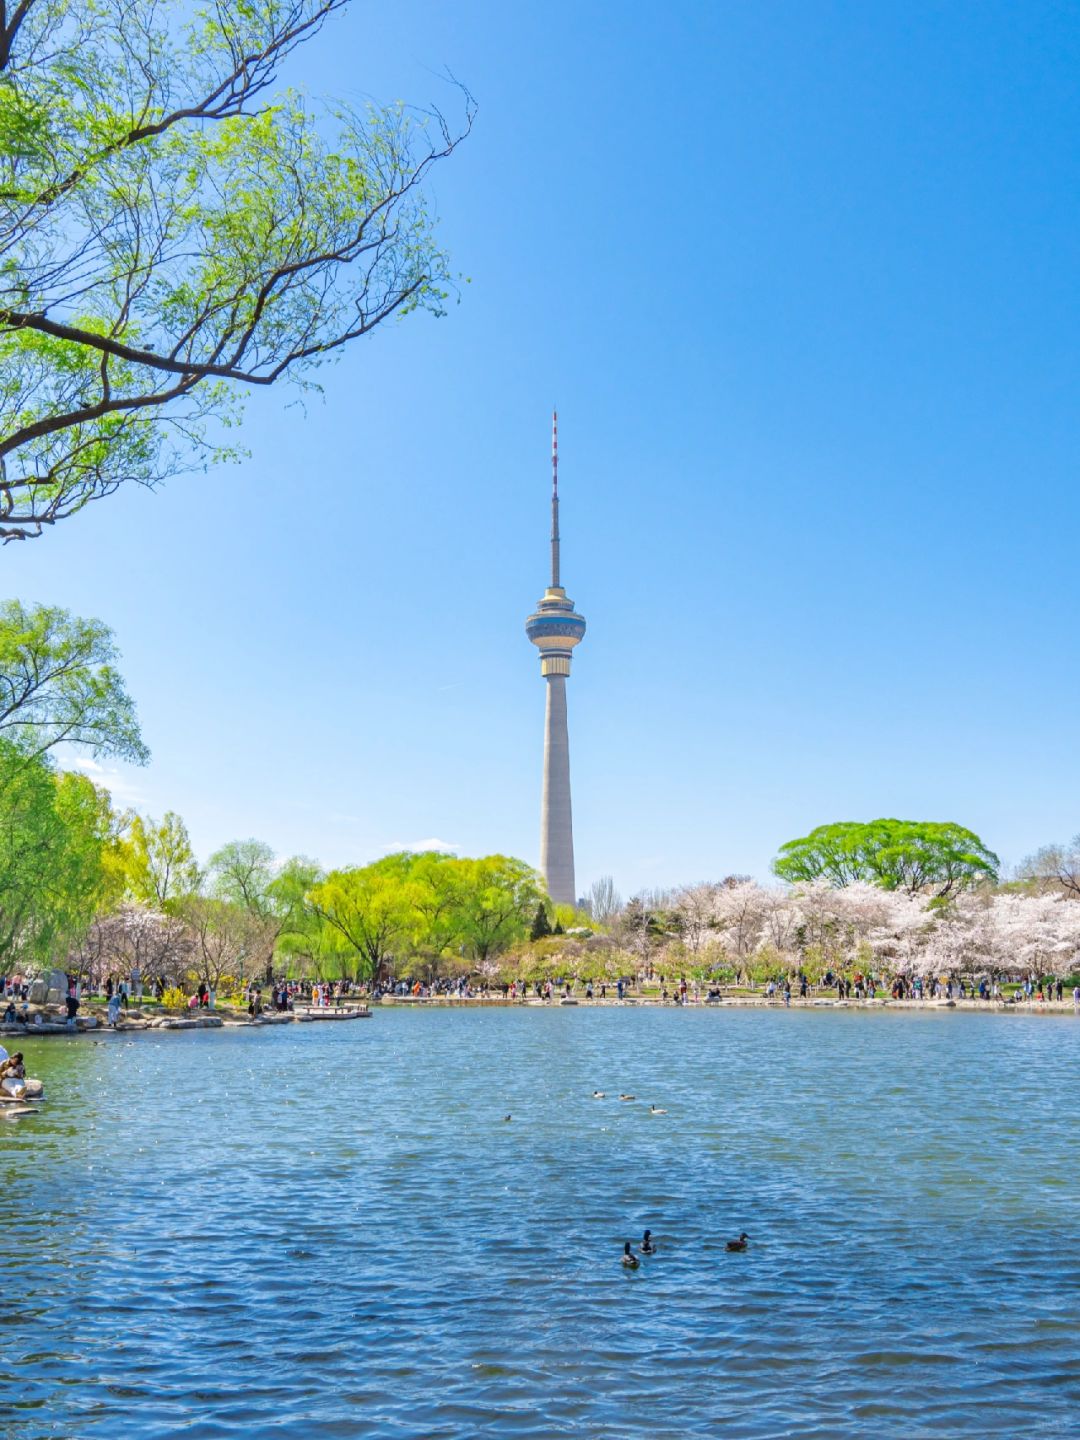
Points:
(57, 988)
(49, 988)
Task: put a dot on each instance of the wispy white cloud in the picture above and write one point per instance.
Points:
(119, 786)
(432, 842)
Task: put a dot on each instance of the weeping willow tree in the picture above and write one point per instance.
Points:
(175, 227)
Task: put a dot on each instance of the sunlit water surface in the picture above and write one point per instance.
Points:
(331, 1230)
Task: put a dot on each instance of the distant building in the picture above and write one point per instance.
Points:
(555, 629)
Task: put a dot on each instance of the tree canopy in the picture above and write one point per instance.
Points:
(907, 855)
(173, 226)
(156, 863)
(428, 903)
(59, 683)
(246, 876)
(55, 831)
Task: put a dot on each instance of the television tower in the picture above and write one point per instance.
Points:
(555, 628)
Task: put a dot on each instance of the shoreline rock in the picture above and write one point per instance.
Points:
(43, 1022)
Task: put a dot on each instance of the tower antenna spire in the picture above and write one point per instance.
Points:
(554, 498)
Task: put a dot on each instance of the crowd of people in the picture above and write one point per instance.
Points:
(286, 994)
(685, 992)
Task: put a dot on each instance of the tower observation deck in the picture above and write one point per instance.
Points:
(555, 628)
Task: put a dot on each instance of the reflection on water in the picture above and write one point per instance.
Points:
(332, 1230)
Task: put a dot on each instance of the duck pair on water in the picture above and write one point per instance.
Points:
(632, 1261)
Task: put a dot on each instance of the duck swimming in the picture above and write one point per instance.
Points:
(629, 1259)
(740, 1243)
(599, 1095)
(627, 1097)
(507, 1117)
(655, 1110)
(647, 1247)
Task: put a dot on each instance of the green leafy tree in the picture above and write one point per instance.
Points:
(59, 684)
(427, 906)
(541, 926)
(55, 834)
(373, 908)
(156, 863)
(499, 899)
(245, 873)
(174, 228)
(438, 889)
(897, 854)
(311, 945)
(288, 891)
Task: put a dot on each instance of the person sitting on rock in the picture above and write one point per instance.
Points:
(10, 1014)
(13, 1076)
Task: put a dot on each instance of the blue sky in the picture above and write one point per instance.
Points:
(803, 281)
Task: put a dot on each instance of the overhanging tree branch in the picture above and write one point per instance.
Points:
(207, 242)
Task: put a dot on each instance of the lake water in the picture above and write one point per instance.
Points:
(331, 1230)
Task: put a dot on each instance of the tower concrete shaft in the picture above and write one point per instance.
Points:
(556, 818)
(555, 628)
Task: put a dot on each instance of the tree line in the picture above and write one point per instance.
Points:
(100, 891)
(738, 930)
(896, 897)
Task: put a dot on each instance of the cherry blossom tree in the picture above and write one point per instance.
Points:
(1039, 934)
(133, 937)
(695, 912)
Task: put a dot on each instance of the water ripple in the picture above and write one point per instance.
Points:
(337, 1233)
